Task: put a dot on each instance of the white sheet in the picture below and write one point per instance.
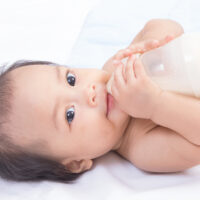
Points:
(109, 26)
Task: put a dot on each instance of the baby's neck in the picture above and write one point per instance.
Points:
(119, 143)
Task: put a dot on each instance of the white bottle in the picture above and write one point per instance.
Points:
(175, 66)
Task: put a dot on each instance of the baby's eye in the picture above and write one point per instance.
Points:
(71, 79)
(70, 115)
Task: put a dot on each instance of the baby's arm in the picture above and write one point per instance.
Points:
(175, 145)
(159, 29)
(179, 113)
(163, 150)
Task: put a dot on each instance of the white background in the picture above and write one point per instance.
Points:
(40, 29)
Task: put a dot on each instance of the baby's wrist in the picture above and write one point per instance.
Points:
(158, 98)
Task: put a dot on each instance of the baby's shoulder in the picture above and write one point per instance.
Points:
(135, 130)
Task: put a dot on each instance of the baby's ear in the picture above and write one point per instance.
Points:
(77, 166)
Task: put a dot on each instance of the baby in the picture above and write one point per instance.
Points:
(56, 120)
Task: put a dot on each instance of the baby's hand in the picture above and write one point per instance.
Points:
(142, 47)
(134, 91)
(110, 65)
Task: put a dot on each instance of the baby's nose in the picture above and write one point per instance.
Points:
(91, 95)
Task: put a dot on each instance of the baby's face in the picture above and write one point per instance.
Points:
(66, 110)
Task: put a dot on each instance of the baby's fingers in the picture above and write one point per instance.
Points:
(129, 70)
(118, 81)
(144, 46)
(165, 40)
(150, 44)
(123, 53)
(139, 69)
(118, 76)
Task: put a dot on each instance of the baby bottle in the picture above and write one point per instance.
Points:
(176, 65)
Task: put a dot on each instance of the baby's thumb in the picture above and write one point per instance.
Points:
(139, 69)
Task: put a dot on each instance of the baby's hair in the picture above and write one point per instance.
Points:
(17, 163)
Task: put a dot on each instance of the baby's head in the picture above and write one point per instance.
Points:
(54, 121)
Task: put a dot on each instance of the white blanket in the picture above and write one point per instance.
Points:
(110, 26)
